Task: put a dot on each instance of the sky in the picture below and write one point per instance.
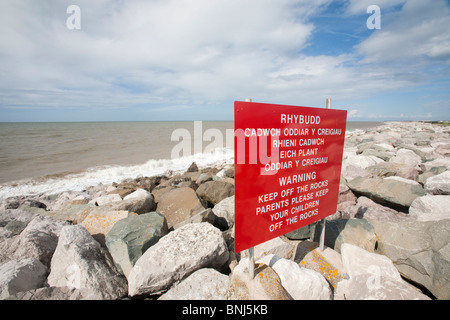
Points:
(153, 60)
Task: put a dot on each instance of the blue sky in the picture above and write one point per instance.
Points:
(191, 59)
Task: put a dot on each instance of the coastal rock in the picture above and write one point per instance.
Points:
(422, 178)
(102, 200)
(370, 210)
(9, 215)
(225, 209)
(327, 262)
(265, 285)
(372, 277)
(361, 161)
(419, 250)
(130, 237)
(203, 284)
(206, 215)
(74, 213)
(408, 157)
(21, 275)
(358, 232)
(438, 184)
(431, 208)
(80, 262)
(299, 282)
(178, 204)
(38, 240)
(395, 194)
(388, 169)
(139, 201)
(276, 246)
(100, 221)
(54, 293)
(193, 167)
(212, 192)
(175, 256)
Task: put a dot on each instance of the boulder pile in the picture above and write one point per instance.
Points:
(172, 236)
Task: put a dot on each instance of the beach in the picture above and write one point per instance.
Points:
(392, 210)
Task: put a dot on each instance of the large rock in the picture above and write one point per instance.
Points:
(264, 285)
(178, 204)
(419, 250)
(327, 262)
(372, 277)
(203, 284)
(358, 232)
(392, 193)
(299, 282)
(80, 262)
(129, 238)
(408, 157)
(370, 210)
(225, 209)
(439, 184)
(139, 201)
(388, 169)
(431, 208)
(212, 192)
(175, 256)
(38, 240)
(100, 221)
(21, 275)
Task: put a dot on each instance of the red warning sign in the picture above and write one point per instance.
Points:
(287, 168)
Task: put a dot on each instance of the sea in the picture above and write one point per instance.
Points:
(52, 157)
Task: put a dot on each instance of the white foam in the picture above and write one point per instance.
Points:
(109, 174)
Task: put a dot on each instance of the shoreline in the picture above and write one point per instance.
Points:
(393, 201)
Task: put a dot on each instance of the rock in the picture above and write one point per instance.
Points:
(74, 213)
(431, 208)
(358, 232)
(175, 256)
(276, 246)
(361, 161)
(100, 221)
(139, 201)
(327, 262)
(395, 194)
(206, 215)
(38, 240)
(21, 275)
(265, 285)
(419, 250)
(106, 199)
(299, 282)
(54, 293)
(370, 210)
(372, 277)
(178, 204)
(439, 184)
(422, 178)
(408, 157)
(439, 162)
(305, 232)
(203, 284)
(129, 238)
(9, 215)
(193, 167)
(212, 192)
(225, 209)
(388, 169)
(80, 262)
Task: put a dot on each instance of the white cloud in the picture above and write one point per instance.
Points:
(183, 52)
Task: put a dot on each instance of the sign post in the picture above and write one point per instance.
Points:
(287, 169)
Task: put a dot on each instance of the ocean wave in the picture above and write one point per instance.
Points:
(54, 184)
